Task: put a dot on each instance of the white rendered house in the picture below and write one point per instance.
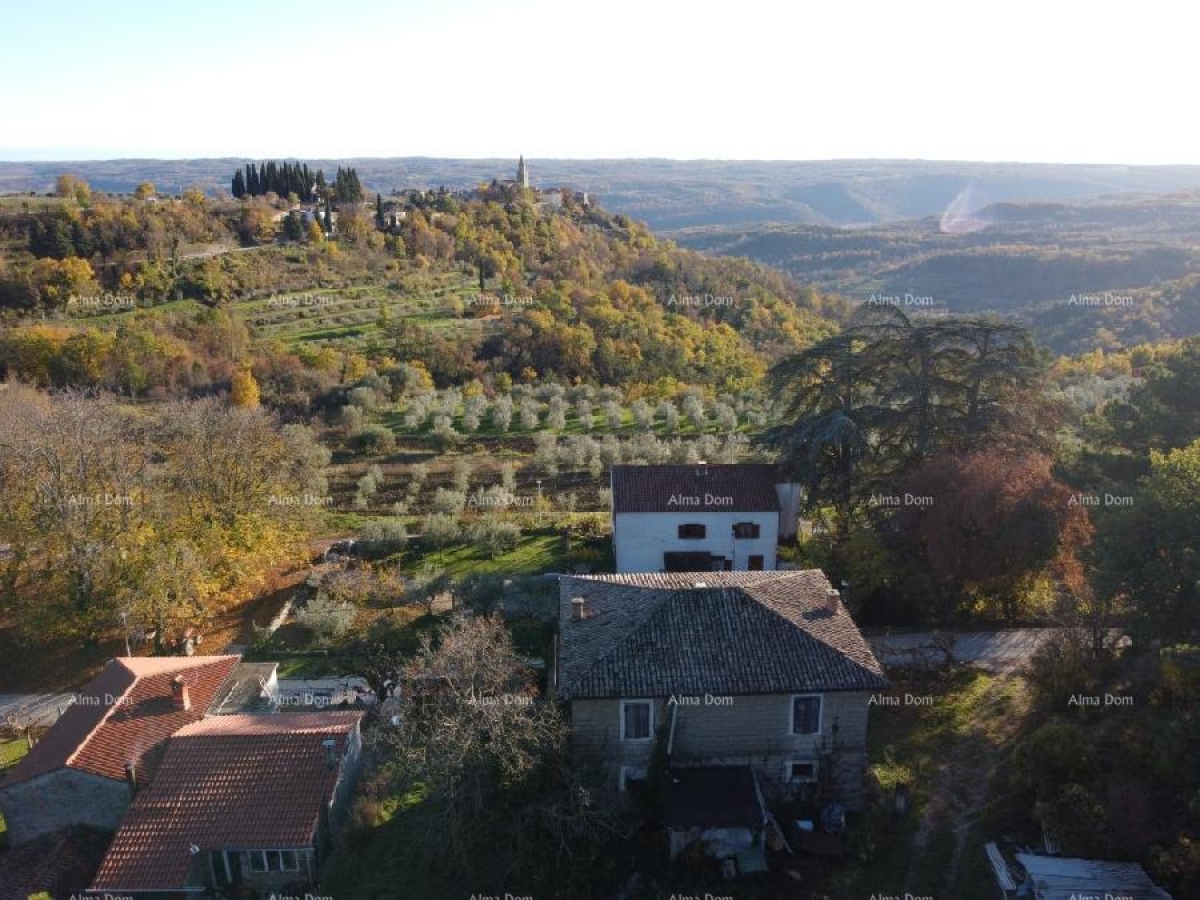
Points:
(700, 518)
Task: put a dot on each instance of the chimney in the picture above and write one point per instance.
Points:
(579, 608)
(180, 698)
(131, 778)
(329, 745)
(833, 600)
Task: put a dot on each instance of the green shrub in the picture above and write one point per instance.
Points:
(440, 530)
(493, 537)
(373, 440)
(326, 618)
(384, 536)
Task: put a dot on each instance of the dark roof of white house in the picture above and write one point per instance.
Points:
(721, 633)
(732, 488)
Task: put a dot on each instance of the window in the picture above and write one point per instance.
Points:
(801, 771)
(691, 532)
(755, 562)
(273, 861)
(633, 778)
(744, 530)
(223, 864)
(806, 714)
(636, 720)
(682, 561)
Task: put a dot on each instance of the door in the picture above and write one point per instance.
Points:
(681, 561)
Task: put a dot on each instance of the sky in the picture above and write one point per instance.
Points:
(1049, 81)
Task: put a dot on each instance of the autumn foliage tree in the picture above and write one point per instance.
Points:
(74, 187)
(985, 525)
(243, 390)
(477, 753)
(156, 512)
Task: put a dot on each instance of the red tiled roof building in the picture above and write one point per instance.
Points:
(83, 770)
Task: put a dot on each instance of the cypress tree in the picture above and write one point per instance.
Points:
(239, 184)
(293, 228)
(379, 211)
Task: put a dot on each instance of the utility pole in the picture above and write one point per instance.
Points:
(125, 628)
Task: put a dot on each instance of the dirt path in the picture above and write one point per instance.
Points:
(234, 626)
(960, 786)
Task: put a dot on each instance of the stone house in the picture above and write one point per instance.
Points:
(758, 670)
(84, 768)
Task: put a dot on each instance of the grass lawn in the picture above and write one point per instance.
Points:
(11, 752)
(305, 666)
(537, 552)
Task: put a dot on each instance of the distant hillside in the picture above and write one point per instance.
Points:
(475, 285)
(1108, 273)
(671, 194)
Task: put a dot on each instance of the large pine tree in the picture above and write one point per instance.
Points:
(866, 405)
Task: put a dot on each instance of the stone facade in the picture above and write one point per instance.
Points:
(60, 799)
(738, 730)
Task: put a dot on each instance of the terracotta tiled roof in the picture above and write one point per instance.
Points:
(748, 487)
(227, 782)
(124, 713)
(653, 635)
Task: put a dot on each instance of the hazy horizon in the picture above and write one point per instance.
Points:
(891, 160)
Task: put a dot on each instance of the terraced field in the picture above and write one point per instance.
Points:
(346, 318)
